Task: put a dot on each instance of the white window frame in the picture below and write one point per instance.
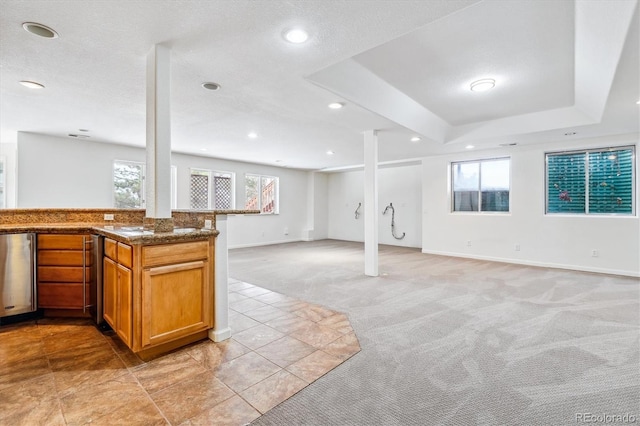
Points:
(143, 188)
(479, 211)
(211, 174)
(174, 183)
(276, 196)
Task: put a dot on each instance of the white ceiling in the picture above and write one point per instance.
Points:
(401, 67)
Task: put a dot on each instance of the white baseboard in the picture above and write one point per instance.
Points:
(220, 335)
(635, 274)
(265, 243)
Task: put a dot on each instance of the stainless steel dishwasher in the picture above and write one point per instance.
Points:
(17, 274)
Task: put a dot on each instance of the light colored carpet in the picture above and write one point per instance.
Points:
(458, 342)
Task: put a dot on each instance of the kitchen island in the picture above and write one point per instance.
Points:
(159, 289)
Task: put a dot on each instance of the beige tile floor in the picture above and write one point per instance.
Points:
(66, 372)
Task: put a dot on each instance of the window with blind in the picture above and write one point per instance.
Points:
(599, 181)
(261, 193)
(210, 190)
(481, 186)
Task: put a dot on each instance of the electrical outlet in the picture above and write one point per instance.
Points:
(207, 223)
(108, 216)
(517, 247)
(594, 253)
(468, 243)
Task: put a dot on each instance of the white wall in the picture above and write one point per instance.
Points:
(400, 185)
(546, 240)
(67, 173)
(8, 153)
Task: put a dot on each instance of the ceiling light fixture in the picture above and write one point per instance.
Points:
(296, 36)
(483, 85)
(416, 139)
(73, 135)
(330, 152)
(39, 30)
(570, 133)
(469, 147)
(252, 135)
(83, 130)
(32, 84)
(211, 86)
(638, 103)
(336, 105)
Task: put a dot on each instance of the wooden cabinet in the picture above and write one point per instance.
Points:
(64, 272)
(158, 297)
(176, 292)
(117, 288)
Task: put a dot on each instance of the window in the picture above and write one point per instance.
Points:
(128, 184)
(481, 186)
(598, 181)
(206, 186)
(261, 193)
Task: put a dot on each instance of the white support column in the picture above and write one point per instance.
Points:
(221, 330)
(158, 171)
(371, 203)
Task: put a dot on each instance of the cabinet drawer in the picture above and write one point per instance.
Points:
(125, 253)
(61, 296)
(174, 253)
(61, 241)
(63, 258)
(62, 274)
(110, 249)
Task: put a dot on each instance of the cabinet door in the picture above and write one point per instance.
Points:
(124, 313)
(110, 287)
(176, 302)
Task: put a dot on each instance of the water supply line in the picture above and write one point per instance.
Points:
(358, 211)
(393, 221)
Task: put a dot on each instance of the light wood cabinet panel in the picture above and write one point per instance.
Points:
(124, 315)
(110, 291)
(168, 254)
(158, 297)
(110, 248)
(165, 288)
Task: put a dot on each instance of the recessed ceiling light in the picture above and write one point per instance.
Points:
(509, 144)
(203, 149)
(73, 135)
(330, 152)
(32, 84)
(278, 161)
(469, 147)
(296, 35)
(483, 85)
(211, 86)
(336, 105)
(83, 130)
(638, 103)
(39, 30)
(416, 139)
(570, 133)
(252, 135)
